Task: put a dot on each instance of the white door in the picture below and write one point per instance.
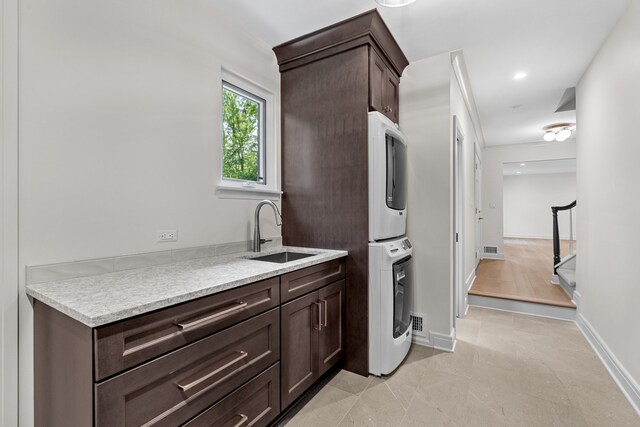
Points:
(459, 289)
(478, 204)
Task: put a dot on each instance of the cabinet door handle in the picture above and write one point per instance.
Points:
(319, 328)
(325, 312)
(242, 421)
(187, 387)
(208, 319)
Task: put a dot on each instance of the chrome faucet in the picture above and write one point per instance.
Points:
(257, 241)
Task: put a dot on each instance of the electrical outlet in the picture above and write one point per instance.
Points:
(167, 235)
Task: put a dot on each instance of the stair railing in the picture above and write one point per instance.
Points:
(556, 232)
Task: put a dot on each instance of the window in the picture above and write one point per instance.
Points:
(248, 151)
(243, 135)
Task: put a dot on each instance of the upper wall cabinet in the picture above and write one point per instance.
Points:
(386, 60)
(383, 87)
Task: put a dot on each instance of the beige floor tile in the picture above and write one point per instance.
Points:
(350, 382)
(327, 408)
(404, 381)
(605, 407)
(422, 413)
(540, 380)
(478, 414)
(508, 370)
(376, 406)
(448, 397)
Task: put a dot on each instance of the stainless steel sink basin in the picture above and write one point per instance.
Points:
(282, 257)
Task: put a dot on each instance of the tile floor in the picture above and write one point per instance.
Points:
(507, 370)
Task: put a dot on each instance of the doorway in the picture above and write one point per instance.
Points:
(530, 190)
(459, 288)
(477, 170)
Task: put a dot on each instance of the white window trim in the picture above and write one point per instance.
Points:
(236, 189)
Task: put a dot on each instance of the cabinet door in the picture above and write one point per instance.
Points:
(383, 87)
(331, 335)
(391, 95)
(300, 321)
(377, 71)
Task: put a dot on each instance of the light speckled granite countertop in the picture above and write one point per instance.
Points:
(105, 298)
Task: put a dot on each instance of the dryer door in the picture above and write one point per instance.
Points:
(402, 295)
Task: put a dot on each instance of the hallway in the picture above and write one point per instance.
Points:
(524, 274)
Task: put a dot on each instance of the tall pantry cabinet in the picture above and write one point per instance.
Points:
(330, 80)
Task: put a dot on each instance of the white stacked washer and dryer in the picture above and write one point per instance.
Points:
(390, 251)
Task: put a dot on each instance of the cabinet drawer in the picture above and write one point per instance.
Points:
(300, 282)
(133, 341)
(173, 388)
(254, 404)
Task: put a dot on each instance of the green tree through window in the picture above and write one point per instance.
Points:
(242, 135)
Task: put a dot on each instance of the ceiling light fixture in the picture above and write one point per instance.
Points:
(519, 76)
(394, 3)
(522, 164)
(558, 131)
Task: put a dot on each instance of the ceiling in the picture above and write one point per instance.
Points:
(540, 167)
(553, 41)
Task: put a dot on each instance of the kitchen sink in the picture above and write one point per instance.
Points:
(282, 257)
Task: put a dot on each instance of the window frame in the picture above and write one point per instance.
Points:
(267, 152)
(262, 136)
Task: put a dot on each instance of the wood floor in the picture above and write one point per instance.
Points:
(524, 274)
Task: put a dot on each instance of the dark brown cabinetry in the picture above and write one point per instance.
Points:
(211, 361)
(383, 87)
(330, 80)
(312, 338)
(254, 404)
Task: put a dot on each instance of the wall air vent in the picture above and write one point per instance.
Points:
(417, 324)
(490, 249)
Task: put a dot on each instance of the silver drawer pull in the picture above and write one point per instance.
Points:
(319, 305)
(239, 306)
(242, 421)
(192, 384)
(326, 304)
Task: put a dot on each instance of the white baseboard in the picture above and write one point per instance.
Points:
(620, 375)
(533, 236)
(423, 341)
(438, 341)
(444, 342)
(576, 298)
(523, 307)
(470, 279)
(493, 256)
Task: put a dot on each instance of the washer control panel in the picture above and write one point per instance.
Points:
(398, 246)
(405, 244)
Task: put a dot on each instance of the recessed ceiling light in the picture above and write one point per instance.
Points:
(522, 164)
(519, 76)
(518, 172)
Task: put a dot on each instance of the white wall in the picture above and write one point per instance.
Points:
(426, 122)
(120, 131)
(8, 213)
(492, 189)
(459, 109)
(430, 96)
(528, 200)
(609, 229)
